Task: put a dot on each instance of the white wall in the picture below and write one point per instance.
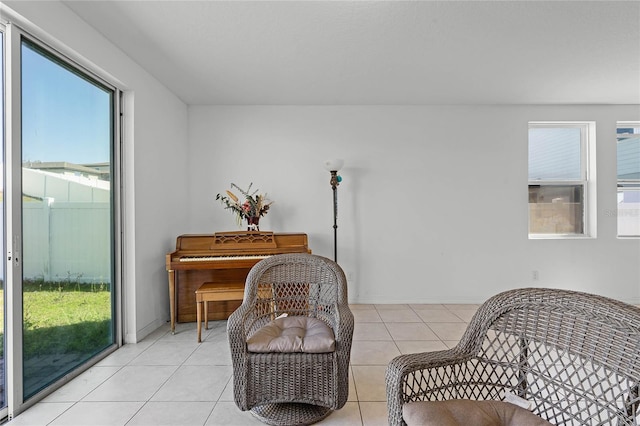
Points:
(155, 162)
(433, 205)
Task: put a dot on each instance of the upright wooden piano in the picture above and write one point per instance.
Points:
(225, 258)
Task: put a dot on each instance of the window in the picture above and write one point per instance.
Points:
(560, 180)
(628, 154)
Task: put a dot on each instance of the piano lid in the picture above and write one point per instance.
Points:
(242, 241)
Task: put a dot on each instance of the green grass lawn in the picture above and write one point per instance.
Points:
(61, 318)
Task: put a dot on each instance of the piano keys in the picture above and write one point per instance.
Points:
(221, 258)
(225, 258)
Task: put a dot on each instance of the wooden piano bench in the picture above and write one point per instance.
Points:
(211, 292)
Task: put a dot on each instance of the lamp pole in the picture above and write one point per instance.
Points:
(333, 166)
(334, 185)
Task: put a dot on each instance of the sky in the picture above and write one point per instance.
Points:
(65, 116)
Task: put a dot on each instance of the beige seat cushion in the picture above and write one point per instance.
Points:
(293, 334)
(462, 412)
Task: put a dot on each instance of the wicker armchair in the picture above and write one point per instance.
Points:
(292, 388)
(575, 356)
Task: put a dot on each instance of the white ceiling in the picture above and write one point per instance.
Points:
(384, 52)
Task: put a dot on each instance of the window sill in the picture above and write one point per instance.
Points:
(560, 237)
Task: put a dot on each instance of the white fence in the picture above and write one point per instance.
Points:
(67, 241)
(67, 235)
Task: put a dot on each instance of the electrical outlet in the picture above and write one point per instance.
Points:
(534, 275)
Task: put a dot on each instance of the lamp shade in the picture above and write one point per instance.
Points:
(333, 165)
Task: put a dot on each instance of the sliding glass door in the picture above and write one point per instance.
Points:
(67, 141)
(59, 216)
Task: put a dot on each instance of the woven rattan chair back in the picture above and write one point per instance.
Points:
(292, 388)
(304, 285)
(576, 356)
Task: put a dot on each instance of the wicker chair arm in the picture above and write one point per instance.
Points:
(236, 323)
(235, 328)
(401, 369)
(237, 337)
(344, 324)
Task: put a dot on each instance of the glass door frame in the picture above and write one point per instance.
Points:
(4, 410)
(13, 36)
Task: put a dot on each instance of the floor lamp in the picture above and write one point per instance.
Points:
(333, 166)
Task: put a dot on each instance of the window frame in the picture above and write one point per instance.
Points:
(627, 184)
(586, 180)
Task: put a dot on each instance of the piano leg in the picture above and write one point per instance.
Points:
(172, 299)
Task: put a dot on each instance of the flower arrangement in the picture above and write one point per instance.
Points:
(253, 207)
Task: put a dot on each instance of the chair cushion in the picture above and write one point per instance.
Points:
(293, 334)
(463, 412)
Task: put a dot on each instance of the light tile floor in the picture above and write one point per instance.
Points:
(172, 380)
